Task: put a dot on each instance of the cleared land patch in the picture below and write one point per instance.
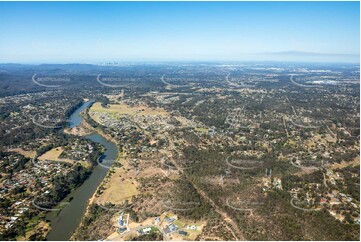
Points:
(26, 153)
(54, 154)
(120, 186)
(124, 109)
(344, 164)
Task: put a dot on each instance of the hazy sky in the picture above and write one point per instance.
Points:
(161, 31)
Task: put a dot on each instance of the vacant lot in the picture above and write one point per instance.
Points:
(54, 154)
(122, 109)
(29, 154)
(120, 186)
(344, 164)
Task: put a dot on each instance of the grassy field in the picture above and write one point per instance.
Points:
(54, 154)
(317, 139)
(117, 192)
(122, 109)
(118, 188)
(202, 130)
(344, 164)
(29, 154)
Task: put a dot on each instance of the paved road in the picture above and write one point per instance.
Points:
(293, 109)
(171, 85)
(329, 130)
(162, 79)
(165, 236)
(235, 84)
(301, 85)
(231, 83)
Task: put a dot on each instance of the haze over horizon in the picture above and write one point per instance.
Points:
(63, 32)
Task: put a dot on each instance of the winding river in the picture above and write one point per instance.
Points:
(64, 223)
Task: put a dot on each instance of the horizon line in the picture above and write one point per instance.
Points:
(98, 62)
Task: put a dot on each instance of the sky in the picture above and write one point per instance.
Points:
(88, 32)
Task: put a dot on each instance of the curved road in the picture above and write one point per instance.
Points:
(171, 85)
(165, 236)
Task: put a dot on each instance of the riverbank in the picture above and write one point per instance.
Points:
(92, 200)
(68, 219)
(86, 126)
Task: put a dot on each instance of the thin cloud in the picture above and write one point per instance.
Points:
(310, 54)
